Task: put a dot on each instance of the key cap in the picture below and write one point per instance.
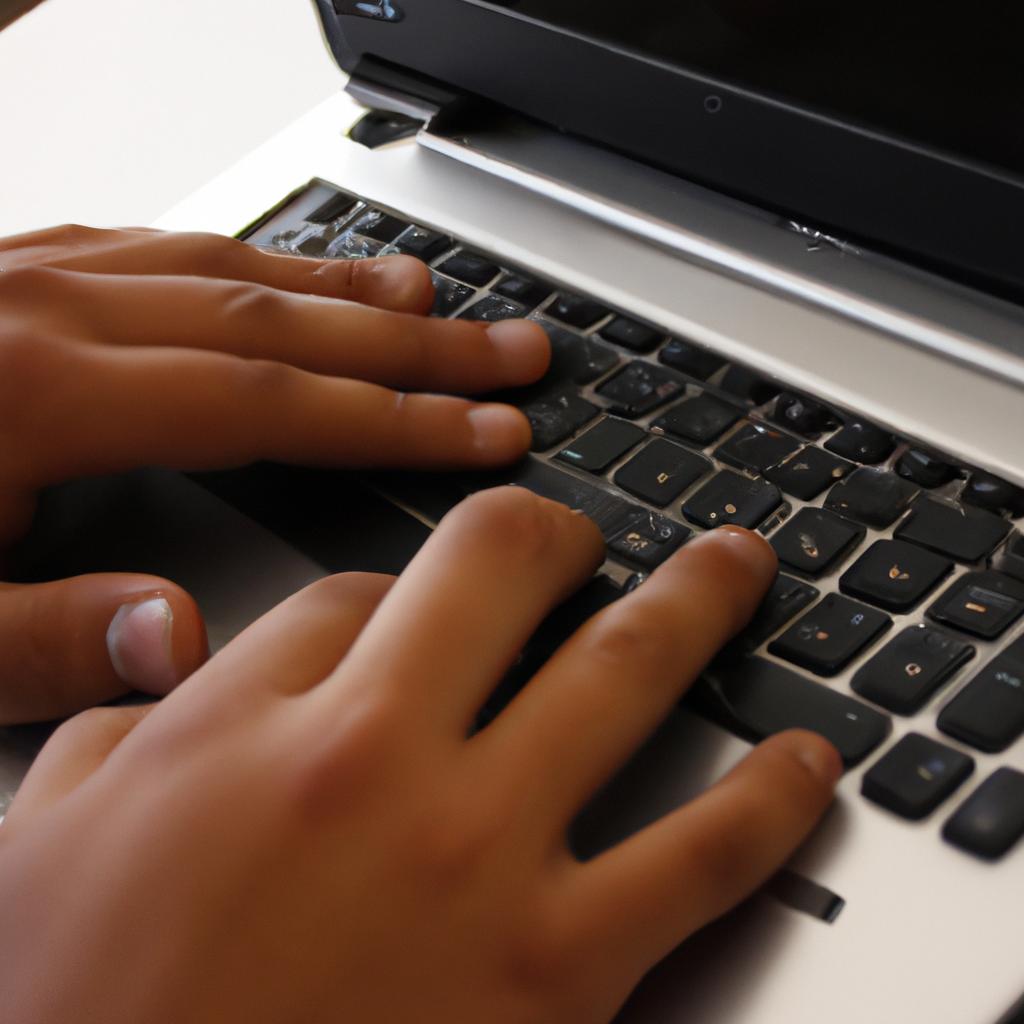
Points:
(602, 445)
(527, 291)
(813, 541)
(786, 599)
(423, 243)
(749, 386)
(701, 420)
(332, 209)
(924, 469)
(729, 498)
(661, 472)
(991, 820)
(755, 698)
(650, 542)
(575, 310)
(630, 334)
(988, 713)
(350, 246)
(964, 533)
(863, 442)
(556, 416)
(1011, 559)
(639, 388)
(831, 635)
(380, 226)
(989, 492)
(448, 295)
(756, 447)
(904, 674)
(984, 604)
(470, 268)
(873, 497)
(315, 247)
(575, 359)
(894, 575)
(917, 775)
(801, 415)
(807, 473)
(690, 359)
(492, 308)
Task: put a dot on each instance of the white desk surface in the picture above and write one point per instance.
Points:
(112, 111)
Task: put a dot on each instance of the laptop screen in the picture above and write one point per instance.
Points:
(949, 76)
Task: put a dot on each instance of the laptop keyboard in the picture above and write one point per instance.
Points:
(901, 570)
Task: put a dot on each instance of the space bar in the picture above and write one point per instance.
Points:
(756, 698)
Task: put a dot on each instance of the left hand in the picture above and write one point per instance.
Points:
(121, 349)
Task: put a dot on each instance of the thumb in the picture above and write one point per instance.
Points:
(72, 643)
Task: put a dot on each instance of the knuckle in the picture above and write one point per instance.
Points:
(526, 526)
(624, 635)
(209, 252)
(245, 306)
(347, 590)
(27, 281)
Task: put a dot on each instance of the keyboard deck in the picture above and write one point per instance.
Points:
(901, 589)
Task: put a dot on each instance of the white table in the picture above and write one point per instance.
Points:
(111, 111)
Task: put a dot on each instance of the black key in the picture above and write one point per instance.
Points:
(809, 472)
(661, 472)
(492, 308)
(575, 310)
(749, 386)
(801, 415)
(991, 819)
(831, 635)
(469, 267)
(1011, 559)
(650, 542)
(874, 497)
(332, 209)
(602, 445)
(575, 359)
(700, 420)
(987, 491)
(756, 447)
(380, 226)
(556, 416)
(756, 698)
(527, 291)
(639, 388)
(423, 243)
(315, 247)
(630, 334)
(690, 359)
(448, 295)
(964, 533)
(988, 713)
(913, 778)
(613, 515)
(351, 246)
(786, 599)
(984, 604)
(814, 540)
(925, 469)
(894, 575)
(862, 442)
(729, 498)
(910, 668)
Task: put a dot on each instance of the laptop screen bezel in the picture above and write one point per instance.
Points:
(932, 208)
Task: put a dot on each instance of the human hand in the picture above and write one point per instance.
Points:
(120, 349)
(304, 832)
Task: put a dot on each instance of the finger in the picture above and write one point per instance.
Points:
(109, 410)
(393, 282)
(607, 688)
(72, 643)
(645, 896)
(313, 333)
(468, 602)
(75, 750)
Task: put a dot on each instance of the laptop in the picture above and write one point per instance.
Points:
(776, 250)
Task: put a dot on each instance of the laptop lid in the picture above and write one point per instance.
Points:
(896, 126)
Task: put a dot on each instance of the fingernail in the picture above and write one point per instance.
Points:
(139, 642)
(522, 347)
(395, 280)
(822, 760)
(499, 431)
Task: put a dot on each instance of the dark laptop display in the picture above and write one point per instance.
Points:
(898, 125)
